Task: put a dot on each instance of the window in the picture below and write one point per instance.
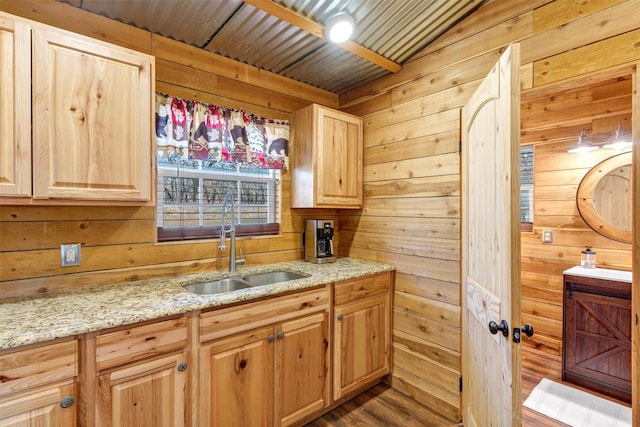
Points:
(526, 188)
(204, 152)
(189, 200)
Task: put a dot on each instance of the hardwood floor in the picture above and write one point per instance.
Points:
(535, 366)
(383, 406)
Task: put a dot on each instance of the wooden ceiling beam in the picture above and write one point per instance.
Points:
(317, 30)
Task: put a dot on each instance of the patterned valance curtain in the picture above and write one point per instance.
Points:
(207, 135)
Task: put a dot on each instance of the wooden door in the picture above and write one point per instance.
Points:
(236, 378)
(15, 115)
(339, 159)
(41, 408)
(92, 108)
(360, 344)
(491, 246)
(302, 368)
(151, 393)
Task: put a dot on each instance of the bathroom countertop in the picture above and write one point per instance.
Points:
(600, 273)
(38, 319)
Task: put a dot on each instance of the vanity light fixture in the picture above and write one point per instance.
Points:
(620, 140)
(583, 145)
(339, 28)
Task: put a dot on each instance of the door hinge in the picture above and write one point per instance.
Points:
(460, 147)
(460, 384)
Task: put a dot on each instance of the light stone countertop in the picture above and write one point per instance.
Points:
(43, 318)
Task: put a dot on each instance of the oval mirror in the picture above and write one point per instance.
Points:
(604, 198)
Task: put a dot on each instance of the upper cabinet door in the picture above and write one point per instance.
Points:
(92, 109)
(15, 99)
(340, 157)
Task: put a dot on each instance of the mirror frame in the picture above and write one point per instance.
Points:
(584, 198)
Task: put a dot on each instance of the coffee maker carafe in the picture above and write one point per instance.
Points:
(318, 241)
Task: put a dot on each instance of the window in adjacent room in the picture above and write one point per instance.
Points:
(205, 151)
(526, 188)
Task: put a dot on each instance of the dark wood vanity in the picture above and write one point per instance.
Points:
(597, 330)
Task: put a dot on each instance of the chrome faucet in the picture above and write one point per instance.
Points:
(233, 262)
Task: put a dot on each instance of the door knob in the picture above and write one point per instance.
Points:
(526, 329)
(503, 327)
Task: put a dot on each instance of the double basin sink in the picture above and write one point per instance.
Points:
(248, 281)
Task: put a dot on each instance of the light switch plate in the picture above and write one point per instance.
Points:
(70, 254)
(547, 236)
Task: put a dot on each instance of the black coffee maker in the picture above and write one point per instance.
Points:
(318, 241)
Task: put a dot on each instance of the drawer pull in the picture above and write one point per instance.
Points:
(66, 402)
(182, 367)
(340, 317)
(270, 338)
(280, 335)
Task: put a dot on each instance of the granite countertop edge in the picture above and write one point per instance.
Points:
(76, 312)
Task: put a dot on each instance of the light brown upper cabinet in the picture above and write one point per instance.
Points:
(326, 147)
(92, 118)
(15, 117)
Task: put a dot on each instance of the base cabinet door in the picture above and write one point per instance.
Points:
(51, 407)
(151, 393)
(236, 377)
(38, 385)
(302, 363)
(361, 349)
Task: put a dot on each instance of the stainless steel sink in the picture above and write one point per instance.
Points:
(217, 286)
(272, 277)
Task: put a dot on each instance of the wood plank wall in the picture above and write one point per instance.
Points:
(411, 214)
(118, 243)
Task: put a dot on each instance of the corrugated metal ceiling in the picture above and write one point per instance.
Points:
(393, 29)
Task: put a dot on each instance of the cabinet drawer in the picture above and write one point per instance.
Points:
(140, 342)
(364, 287)
(228, 321)
(36, 366)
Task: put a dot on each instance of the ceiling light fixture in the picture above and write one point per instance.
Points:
(620, 140)
(583, 145)
(339, 27)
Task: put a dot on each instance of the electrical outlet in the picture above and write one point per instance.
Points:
(547, 236)
(70, 254)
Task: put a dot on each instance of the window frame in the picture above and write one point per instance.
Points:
(527, 225)
(203, 232)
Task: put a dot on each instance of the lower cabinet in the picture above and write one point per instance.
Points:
(273, 375)
(238, 380)
(38, 386)
(150, 393)
(262, 363)
(597, 335)
(53, 406)
(362, 342)
(142, 376)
